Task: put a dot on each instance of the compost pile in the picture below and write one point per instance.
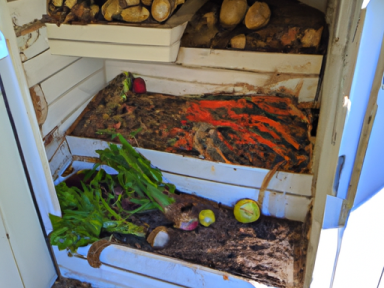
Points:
(285, 26)
(271, 251)
(138, 209)
(99, 11)
(259, 131)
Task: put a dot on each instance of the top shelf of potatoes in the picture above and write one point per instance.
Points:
(130, 11)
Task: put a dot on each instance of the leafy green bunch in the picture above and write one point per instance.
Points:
(97, 206)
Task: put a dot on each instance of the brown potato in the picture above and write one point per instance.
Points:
(135, 14)
(257, 16)
(111, 9)
(162, 9)
(312, 37)
(238, 42)
(147, 2)
(232, 12)
(94, 10)
(132, 3)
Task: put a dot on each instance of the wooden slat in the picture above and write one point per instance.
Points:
(45, 65)
(65, 79)
(170, 269)
(251, 61)
(39, 103)
(115, 51)
(113, 34)
(61, 109)
(32, 44)
(178, 80)
(275, 204)
(25, 11)
(245, 176)
(106, 276)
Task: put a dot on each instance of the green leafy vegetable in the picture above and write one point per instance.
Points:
(98, 206)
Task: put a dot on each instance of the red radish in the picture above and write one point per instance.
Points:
(139, 86)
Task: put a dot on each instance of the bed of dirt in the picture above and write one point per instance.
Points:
(290, 26)
(255, 130)
(70, 283)
(271, 251)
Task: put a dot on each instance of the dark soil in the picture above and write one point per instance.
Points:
(70, 283)
(259, 131)
(270, 250)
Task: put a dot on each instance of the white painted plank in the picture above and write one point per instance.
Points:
(44, 65)
(115, 34)
(105, 276)
(52, 142)
(71, 75)
(274, 204)
(251, 61)
(179, 80)
(115, 51)
(25, 11)
(170, 269)
(277, 204)
(32, 44)
(61, 109)
(61, 159)
(244, 176)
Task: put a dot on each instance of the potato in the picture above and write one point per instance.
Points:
(70, 3)
(135, 14)
(232, 12)
(312, 37)
(257, 16)
(238, 42)
(57, 3)
(147, 2)
(111, 9)
(131, 3)
(162, 9)
(94, 10)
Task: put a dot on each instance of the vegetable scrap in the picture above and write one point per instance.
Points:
(104, 202)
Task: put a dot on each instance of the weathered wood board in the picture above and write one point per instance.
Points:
(45, 65)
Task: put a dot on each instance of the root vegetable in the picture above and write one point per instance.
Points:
(159, 237)
(147, 2)
(82, 12)
(239, 41)
(94, 10)
(257, 16)
(162, 9)
(57, 3)
(70, 3)
(130, 3)
(211, 19)
(111, 9)
(135, 14)
(232, 12)
(139, 86)
(311, 37)
(69, 18)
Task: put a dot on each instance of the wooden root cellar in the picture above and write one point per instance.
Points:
(231, 112)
